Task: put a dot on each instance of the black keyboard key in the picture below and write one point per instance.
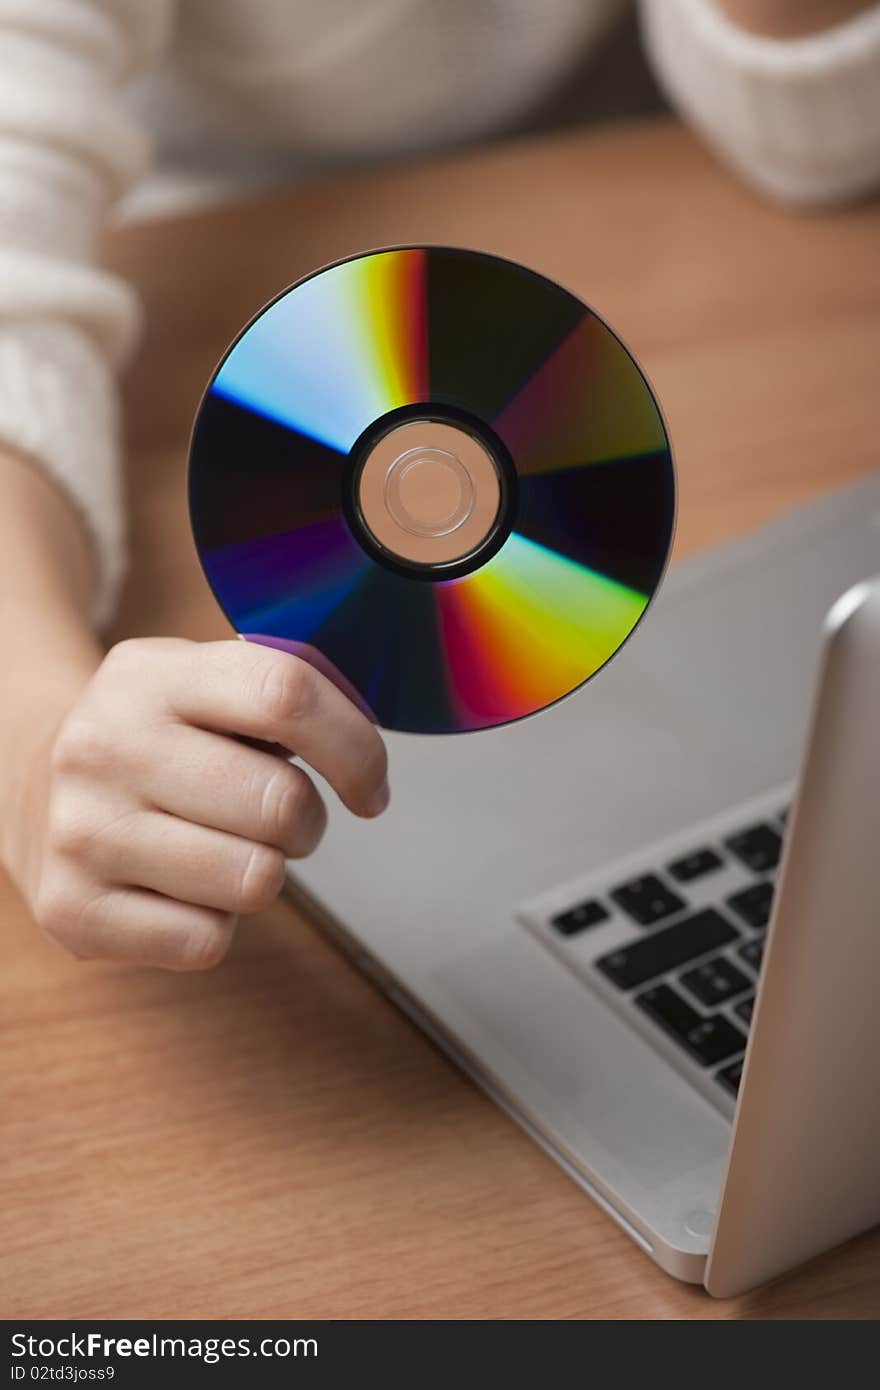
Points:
(695, 865)
(744, 1009)
(759, 847)
(731, 1076)
(647, 900)
(752, 952)
(588, 914)
(708, 1040)
(715, 981)
(665, 950)
(753, 904)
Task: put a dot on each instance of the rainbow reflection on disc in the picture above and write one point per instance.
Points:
(551, 397)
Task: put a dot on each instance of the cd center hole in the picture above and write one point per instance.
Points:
(428, 492)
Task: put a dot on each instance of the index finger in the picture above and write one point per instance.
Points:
(243, 688)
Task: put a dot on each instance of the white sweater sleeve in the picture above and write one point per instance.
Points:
(67, 148)
(798, 118)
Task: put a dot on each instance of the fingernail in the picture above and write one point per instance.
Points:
(379, 802)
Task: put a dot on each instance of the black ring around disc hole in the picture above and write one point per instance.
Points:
(444, 415)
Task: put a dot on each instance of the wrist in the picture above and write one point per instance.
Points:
(790, 19)
(53, 665)
(50, 651)
(30, 717)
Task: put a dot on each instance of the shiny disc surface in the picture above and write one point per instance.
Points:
(506, 394)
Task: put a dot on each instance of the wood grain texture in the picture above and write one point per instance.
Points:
(273, 1139)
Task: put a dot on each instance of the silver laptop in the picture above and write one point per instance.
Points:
(647, 921)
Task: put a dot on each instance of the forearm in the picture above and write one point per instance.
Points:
(790, 19)
(785, 90)
(69, 145)
(49, 648)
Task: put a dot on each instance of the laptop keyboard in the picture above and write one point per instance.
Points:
(691, 963)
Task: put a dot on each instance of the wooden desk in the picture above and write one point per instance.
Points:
(274, 1139)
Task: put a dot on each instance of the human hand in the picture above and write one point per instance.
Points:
(153, 825)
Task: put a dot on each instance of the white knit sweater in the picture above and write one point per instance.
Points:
(800, 119)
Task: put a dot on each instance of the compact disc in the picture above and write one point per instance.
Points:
(438, 477)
